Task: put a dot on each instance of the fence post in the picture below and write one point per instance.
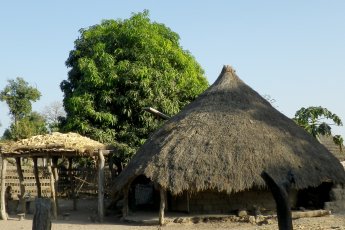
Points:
(42, 216)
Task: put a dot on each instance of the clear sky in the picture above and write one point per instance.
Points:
(293, 50)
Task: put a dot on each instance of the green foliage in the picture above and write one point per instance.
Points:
(121, 66)
(314, 120)
(18, 95)
(30, 125)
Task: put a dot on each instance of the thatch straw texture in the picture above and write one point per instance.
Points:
(55, 142)
(225, 139)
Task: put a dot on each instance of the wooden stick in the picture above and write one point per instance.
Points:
(21, 183)
(3, 212)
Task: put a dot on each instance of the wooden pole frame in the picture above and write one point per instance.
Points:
(101, 162)
(21, 183)
(3, 212)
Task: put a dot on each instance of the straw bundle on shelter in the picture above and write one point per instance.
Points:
(224, 140)
(52, 143)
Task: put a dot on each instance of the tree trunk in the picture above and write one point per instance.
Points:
(100, 185)
(3, 212)
(21, 183)
(38, 183)
(280, 194)
(42, 217)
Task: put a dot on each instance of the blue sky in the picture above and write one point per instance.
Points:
(293, 51)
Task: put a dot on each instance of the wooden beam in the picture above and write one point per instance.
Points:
(37, 178)
(156, 113)
(3, 212)
(162, 193)
(100, 185)
(21, 183)
(52, 187)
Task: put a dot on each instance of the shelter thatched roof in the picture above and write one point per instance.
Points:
(225, 139)
(52, 144)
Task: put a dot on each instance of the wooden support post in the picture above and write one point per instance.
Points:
(38, 183)
(3, 212)
(100, 185)
(21, 183)
(42, 217)
(56, 179)
(52, 187)
(162, 193)
(72, 183)
(125, 209)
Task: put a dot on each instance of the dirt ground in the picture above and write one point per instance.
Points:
(83, 219)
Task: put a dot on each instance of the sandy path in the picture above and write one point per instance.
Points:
(82, 222)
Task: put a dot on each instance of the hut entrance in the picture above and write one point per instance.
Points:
(143, 196)
(314, 198)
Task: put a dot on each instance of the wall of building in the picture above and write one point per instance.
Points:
(220, 202)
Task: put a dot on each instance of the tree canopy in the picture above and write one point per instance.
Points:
(316, 121)
(19, 95)
(117, 68)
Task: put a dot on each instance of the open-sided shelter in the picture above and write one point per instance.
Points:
(209, 156)
(51, 147)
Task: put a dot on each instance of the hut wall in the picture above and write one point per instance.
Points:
(337, 199)
(220, 202)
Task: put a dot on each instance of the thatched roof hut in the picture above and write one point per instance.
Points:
(224, 140)
(51, 147)
(212, 153)
(54, 144)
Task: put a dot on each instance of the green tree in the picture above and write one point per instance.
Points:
(119, 67)
(316, 121)
(19, 95)
(30, 125)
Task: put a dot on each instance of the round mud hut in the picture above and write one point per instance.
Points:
(209, 157)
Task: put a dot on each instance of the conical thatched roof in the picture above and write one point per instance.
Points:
(50, 144)
(225, 139)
